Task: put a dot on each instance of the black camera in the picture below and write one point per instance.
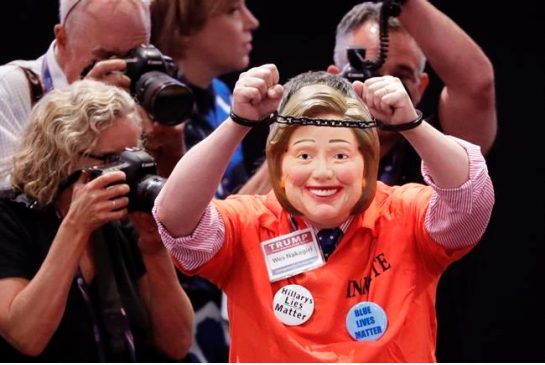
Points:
(358, 68)
(140, 170)
(154, 84)
(361, 69)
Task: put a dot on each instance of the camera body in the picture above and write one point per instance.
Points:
(154, 84)
(140, 170)
(358, 68)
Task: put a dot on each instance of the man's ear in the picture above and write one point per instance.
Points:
(424, 82)
(334, 70)
(422, 86)
(60, 35)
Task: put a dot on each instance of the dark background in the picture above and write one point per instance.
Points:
(490, 304)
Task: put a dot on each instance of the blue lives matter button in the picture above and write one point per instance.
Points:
(366, 321)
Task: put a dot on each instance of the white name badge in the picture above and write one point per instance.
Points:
(291, 254)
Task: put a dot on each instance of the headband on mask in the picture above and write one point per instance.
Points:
(344, 123)
(291, 120)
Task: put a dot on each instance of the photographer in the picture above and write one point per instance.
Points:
(421, 32)
(78, 281)
(88, 30)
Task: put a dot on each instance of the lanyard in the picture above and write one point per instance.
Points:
(46, 76)
(84, 290)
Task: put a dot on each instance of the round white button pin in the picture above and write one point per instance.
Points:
(293, 305)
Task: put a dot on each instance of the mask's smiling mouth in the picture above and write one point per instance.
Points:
(323, 191)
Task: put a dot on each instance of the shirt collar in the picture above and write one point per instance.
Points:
(344, 226)
(57, 75)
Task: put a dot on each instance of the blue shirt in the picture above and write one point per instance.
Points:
(212, 108)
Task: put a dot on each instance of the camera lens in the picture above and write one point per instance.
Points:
(147, 191)
(168, 100)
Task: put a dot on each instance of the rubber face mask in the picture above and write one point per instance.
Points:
(322, 173)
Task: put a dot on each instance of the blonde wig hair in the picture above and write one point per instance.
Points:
(63, 125)
(173, 19)
(308, 95)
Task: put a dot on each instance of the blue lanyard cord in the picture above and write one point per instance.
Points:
(84, 289)
(128, 337)
(46, 76)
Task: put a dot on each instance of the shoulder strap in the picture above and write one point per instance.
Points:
(120, 303)
(35, 85)
(19, 197)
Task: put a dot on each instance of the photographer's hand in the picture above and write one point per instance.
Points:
(149, 240)
(110, 71)
(98, 201)
(164, 142)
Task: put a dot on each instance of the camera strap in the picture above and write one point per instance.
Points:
(119, 299)
(34, 84)
(114, 316)
(69, 180)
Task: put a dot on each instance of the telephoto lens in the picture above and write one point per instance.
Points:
(155, 86)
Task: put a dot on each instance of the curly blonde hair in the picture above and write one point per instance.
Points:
(307, 95)
(63, 125)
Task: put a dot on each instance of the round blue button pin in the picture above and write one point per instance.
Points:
(366, 321)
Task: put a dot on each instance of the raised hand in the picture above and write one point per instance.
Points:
(257, 92)
(164, 142)
(387, 99)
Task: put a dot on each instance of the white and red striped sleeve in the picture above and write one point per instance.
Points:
(458, 217)
(198, 248)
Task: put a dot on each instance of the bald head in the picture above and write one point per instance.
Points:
(76, 15)
(99, 29)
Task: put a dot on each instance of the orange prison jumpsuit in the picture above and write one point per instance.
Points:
(386, 247)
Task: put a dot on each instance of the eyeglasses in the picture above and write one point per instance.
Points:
(63, 20)
(104, 157)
